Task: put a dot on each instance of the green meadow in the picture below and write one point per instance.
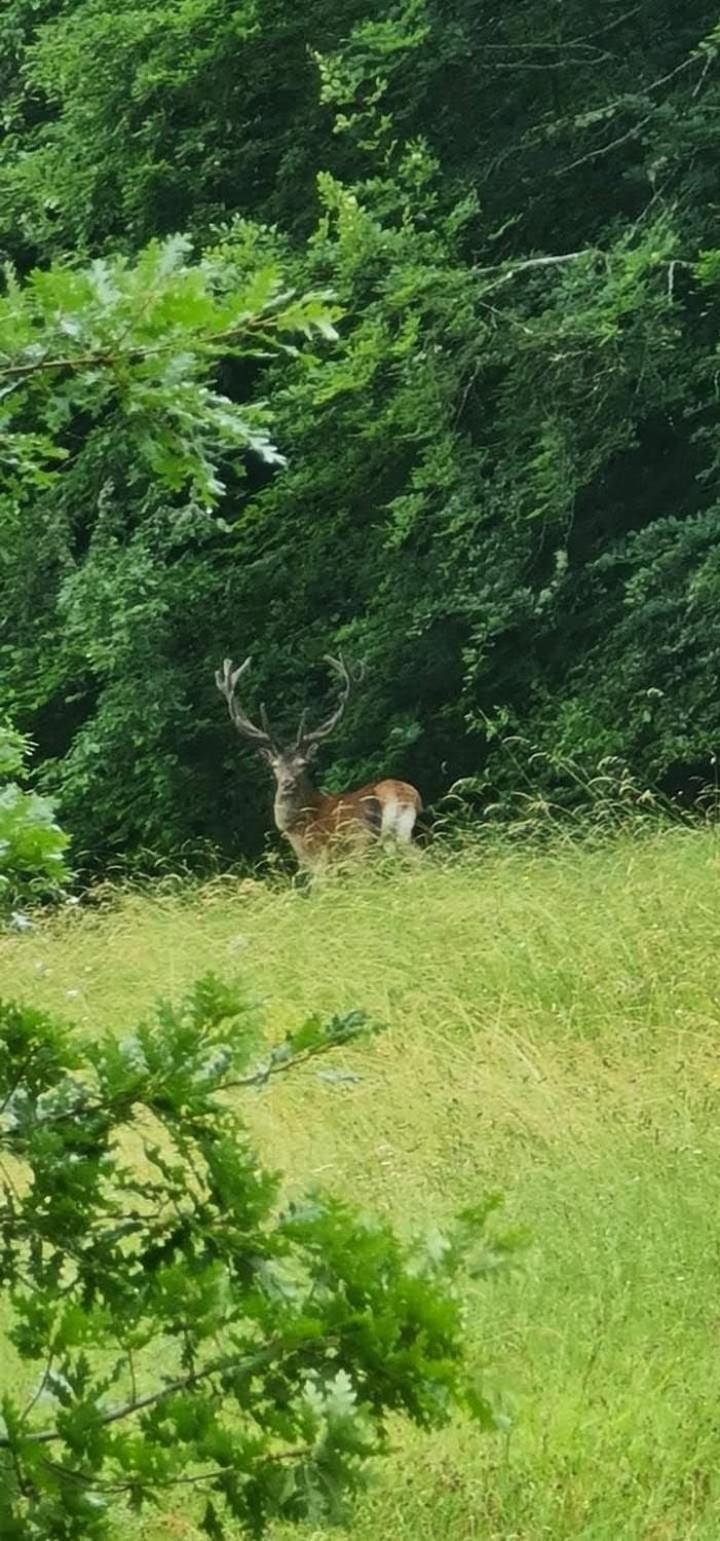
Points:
(552, 1026)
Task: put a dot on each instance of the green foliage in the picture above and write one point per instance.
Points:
(179, 1321)
(471, 485)
(142, 120)
(32, 846)
(130, 348)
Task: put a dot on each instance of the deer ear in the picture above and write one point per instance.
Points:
(267, 755)
(310, 751)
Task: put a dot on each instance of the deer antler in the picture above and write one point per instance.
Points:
(226, 680)
(316, 734)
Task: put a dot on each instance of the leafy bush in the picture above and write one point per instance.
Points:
(181, 1323)
(32, 846)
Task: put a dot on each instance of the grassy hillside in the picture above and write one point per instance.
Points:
(553, 1031)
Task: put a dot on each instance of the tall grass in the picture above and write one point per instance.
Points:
(553, 1022)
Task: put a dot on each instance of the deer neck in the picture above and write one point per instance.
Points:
(297, 808)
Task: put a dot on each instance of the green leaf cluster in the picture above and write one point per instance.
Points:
(176, 1319)
(130, 349)
(32, 844)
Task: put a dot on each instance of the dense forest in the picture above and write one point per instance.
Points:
(391, 329)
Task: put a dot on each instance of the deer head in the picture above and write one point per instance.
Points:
(290, 764)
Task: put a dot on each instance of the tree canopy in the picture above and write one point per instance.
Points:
(393, 330)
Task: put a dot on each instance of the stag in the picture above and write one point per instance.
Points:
(314, 822)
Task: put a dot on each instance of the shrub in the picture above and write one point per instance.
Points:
(32, 846)
(180, 1322)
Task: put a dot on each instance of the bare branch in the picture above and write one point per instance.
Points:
(572, 42)
(711, 57)
(609, 26)
(510, 268)
(605, 149)
(636, 128)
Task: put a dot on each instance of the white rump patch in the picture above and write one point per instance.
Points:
(398, 819)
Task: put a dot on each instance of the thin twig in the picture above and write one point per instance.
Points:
(541, 262)
(143, 1094)
(609, 26)
(605, 149)
(183, 1383)
(469, 383)
(571, 42)
(298, 1453)
(662, 80)
(131, 1368)
(279, 1067)
(37, 1394)
(133, 355)
(22, 1072)
(636, 128)
(521, 66)
(507, 270)
(711, 57)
